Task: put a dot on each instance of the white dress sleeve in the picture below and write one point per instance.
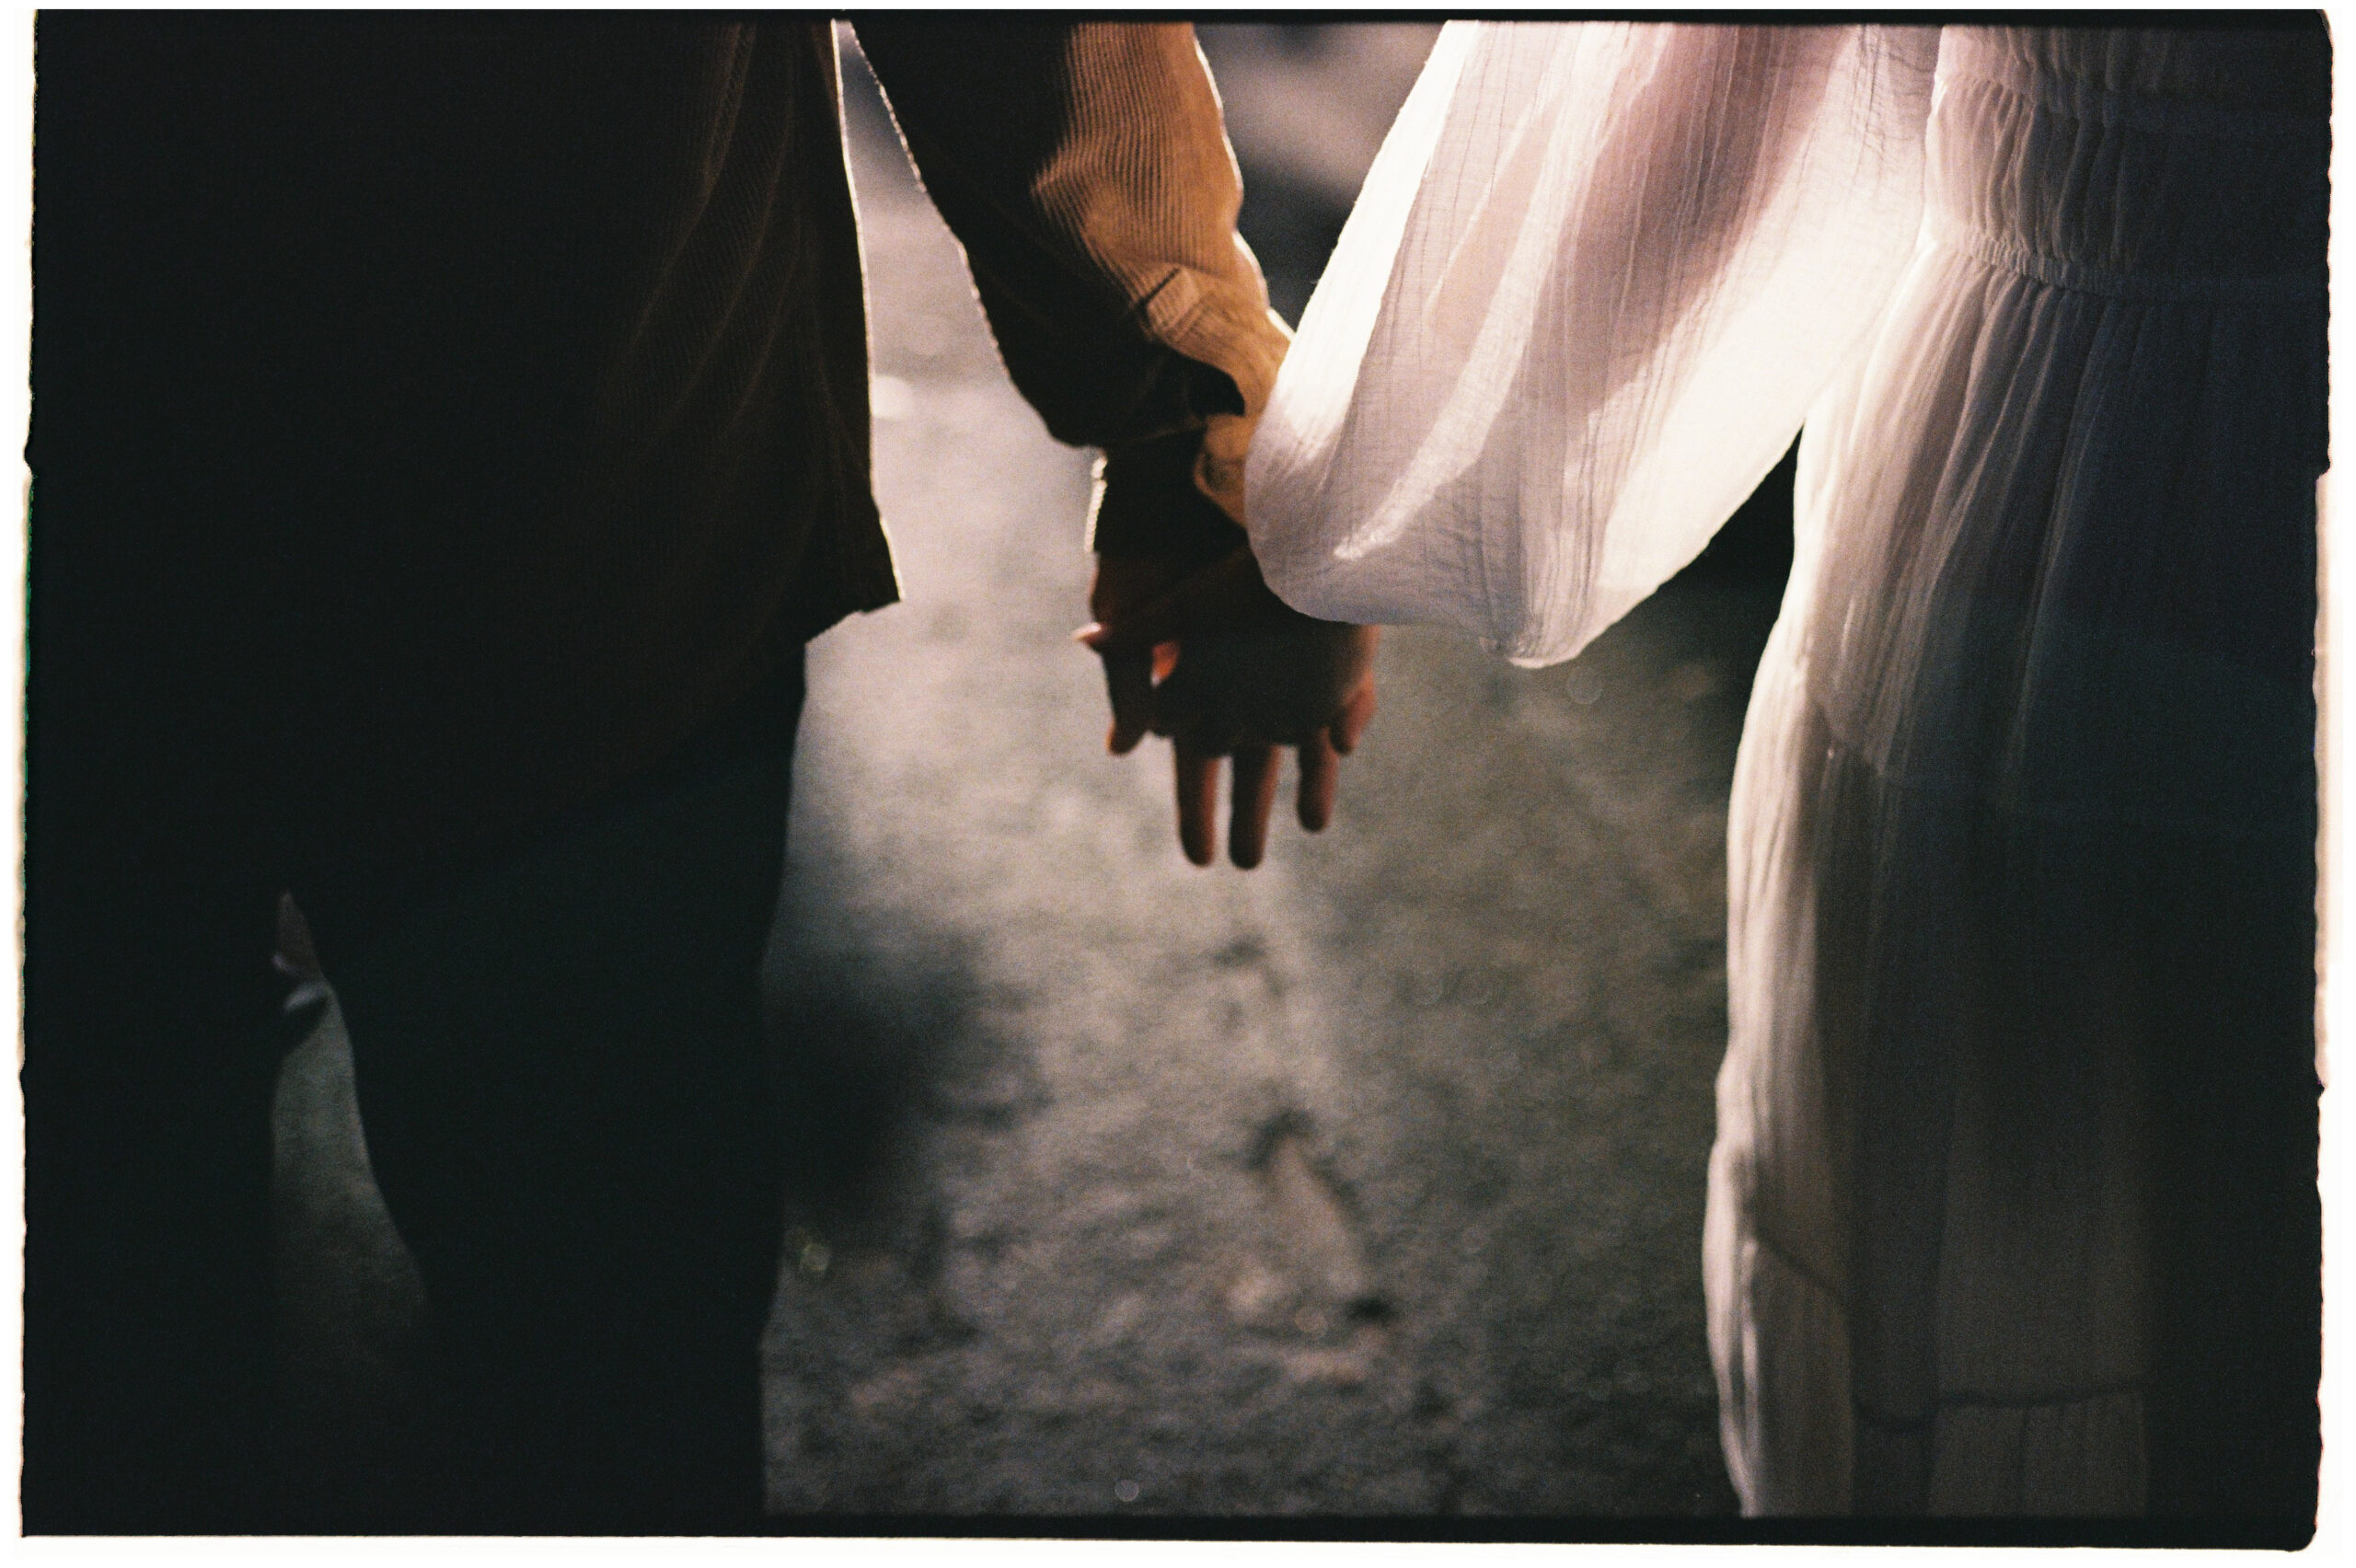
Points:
(1597, 275)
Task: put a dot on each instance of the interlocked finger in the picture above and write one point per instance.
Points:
(1128, 686)
(1255, 801)
(1358, 712)
(1318, 776)
(1198, 801)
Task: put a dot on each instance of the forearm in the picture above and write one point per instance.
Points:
(1086, 171)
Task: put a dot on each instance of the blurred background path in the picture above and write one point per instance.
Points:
(1367, 1183)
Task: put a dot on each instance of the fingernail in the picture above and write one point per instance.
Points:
(1092, 634)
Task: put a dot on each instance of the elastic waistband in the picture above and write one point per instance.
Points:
(2061, 272)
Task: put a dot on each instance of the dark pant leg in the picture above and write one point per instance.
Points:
(150, 1045)
(566, 1098)
(150, 1059)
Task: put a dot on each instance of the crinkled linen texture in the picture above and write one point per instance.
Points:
(2022, 837)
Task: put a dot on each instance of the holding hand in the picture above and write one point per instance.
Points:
(1212, 659)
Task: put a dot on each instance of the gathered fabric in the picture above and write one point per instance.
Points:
(2011, 1206)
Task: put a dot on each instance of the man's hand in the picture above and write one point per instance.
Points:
(1214, 661)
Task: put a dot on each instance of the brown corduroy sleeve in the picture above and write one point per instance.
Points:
(1086, 170)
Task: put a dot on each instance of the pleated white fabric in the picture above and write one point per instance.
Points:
(2021, 845)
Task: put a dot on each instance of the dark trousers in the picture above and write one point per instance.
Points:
(149, 1062)
(566, 1100)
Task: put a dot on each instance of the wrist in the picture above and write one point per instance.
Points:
(1146, 503)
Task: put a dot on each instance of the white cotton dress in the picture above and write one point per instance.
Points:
(2012, 1207)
